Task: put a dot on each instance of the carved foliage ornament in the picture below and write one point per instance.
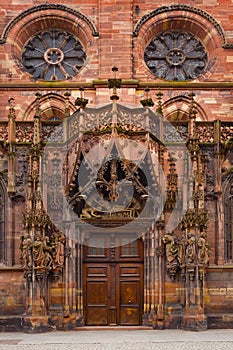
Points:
(176, 55)
(53, 55)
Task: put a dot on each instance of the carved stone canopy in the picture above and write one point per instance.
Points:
(110, 171)
(119, 190)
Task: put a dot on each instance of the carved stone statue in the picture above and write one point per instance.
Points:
(59, 251)
(38, 252)
(190, 254)
(202, 250)
(171, 254)
(182, 252)
(47, 250)
(26, 252)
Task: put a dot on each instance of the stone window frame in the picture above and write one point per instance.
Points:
(53, 54)
(178, 18)
(170, 58)
(181, 105)
(49, 16)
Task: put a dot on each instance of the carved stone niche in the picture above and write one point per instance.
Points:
(21, 168)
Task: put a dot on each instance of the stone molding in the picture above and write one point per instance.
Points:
(178, 7)
(44, 7)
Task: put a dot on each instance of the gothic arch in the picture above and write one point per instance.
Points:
(177, 109)
(196, 11)
(47, 7)
(52, 106)
(174, 18)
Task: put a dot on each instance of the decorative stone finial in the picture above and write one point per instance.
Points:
(11, 103)
(67, 103)
(81, 101)
(147, 102)
(114, 84)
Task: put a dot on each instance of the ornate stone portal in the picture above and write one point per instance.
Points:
(122, 153)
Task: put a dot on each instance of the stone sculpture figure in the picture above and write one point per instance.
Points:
(59, 251)
(38, 252)
(190, 250)
(171, 254)
(26, 252)
(202, 250)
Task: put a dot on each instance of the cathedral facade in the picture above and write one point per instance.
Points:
(116, 164)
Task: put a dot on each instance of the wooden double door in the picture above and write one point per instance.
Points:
(113, 283)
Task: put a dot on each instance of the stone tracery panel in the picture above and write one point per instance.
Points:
(226, 131)
(52, 132)
(175, 18)
(4, 132)
(53, 55)
(175, 132)
(176, 55)
(24, 132)
(205, 132)
(47, 16)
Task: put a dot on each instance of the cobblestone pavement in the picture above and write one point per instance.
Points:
(119, 340)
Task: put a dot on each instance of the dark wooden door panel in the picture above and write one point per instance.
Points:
(96, 294)
(130, 294)
(129, 316)
(96, 317)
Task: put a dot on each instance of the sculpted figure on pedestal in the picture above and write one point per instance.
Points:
(38, 252)
(26, 251)
(171, 254)
(202, 250)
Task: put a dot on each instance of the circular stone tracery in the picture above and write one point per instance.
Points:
(176, 56)
(53, 55)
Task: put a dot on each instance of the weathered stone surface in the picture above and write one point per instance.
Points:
(187, 273)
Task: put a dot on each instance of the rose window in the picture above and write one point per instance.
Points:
(53, 55)
(176, 56)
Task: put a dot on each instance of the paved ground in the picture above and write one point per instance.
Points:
(119, 340)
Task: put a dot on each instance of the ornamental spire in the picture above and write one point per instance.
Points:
(114, 84)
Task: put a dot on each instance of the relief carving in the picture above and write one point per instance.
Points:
(186, 254)
(43, 253)
(171, 244)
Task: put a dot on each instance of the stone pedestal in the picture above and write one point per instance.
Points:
(194, 320)
(37, 324)
(149, 319)
(68, 323)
